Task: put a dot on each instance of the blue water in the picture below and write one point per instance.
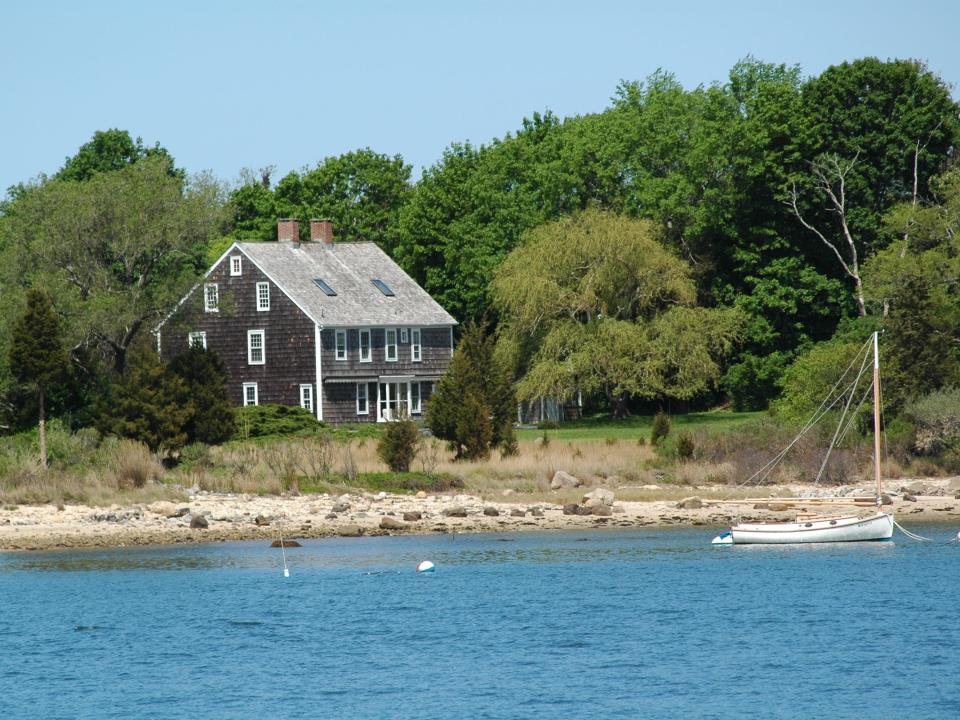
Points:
(607, 624)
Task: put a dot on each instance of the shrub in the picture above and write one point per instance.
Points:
(660, 429)
(258, 421)
(937, 420)
(685, 446)
(398, 445)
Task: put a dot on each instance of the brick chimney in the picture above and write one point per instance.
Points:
(288, 229)
(321, 231)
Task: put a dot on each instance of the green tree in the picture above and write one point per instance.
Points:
(37, 356)
(600, 306)
(398, 444)
(118, 251)
(473, 404)
(110, 150)
(149, 403)
(361, 191)
(213, 420)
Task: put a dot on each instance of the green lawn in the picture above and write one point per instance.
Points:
(603, 426)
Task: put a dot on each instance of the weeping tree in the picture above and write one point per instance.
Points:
(595, 303)
(37, 356)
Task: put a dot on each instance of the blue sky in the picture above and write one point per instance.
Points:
(227, 85)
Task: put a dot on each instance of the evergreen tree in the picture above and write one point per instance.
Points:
(37, 357)
(150, 403)
(474, 404)
(213, 420)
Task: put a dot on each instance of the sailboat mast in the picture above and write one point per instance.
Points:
(876, 413)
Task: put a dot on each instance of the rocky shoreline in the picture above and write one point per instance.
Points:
(211, 517)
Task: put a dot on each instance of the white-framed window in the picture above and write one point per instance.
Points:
(306, 397)
(390, 345)
(256, 354)
(403, 335)
(235, 265)
(211, 297)
(363, 406)
(263, 296)
(365, 355)
(414, 398)
(250, 394)
(416, 352)
(197, 339)
(340, 336)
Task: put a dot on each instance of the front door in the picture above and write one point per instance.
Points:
(393, 400)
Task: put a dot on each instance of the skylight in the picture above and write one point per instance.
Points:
(321, 283)
(382, 287)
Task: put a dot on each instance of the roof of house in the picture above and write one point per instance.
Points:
(349, 269)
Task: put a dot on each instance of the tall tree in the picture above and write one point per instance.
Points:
(213, 420)
(37, 356)
(473, 404)
(118, 250)
(606, 309)
(361, 191)
(110, 150)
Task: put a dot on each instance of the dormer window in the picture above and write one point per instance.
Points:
(322, 284)
(235, 265)
(382, 287)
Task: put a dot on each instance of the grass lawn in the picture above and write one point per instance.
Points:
(602, 427)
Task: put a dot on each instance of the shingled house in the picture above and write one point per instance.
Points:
(337, 328)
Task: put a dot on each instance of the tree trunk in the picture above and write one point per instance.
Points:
(618, 405)
(43, 433)
(861, 307)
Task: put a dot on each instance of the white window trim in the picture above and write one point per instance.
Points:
(416, 348)
(201, 334)
(309, 389)
(366, 399)
(387, 345)
(256, 395)
(260, 307)
(263, 347)
(403, 335)
(337, 334)
(236, 265)
(207, 305)
(419, 408)
(369, 357)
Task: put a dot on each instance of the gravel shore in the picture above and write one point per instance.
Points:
(208, 517)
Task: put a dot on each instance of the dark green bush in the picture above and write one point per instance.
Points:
(660, 429)
(685, 445)
(257, 421)
(214, 418)
(398, 445)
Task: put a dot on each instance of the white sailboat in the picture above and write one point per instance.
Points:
(810, 528)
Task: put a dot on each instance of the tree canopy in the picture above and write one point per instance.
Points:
(608, 309)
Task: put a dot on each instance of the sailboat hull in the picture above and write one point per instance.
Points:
(841, 529)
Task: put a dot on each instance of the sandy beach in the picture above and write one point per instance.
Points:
(252, 517)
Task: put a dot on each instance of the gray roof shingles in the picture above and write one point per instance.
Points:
(348, 268)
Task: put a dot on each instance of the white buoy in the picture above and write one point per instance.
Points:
(425, 567)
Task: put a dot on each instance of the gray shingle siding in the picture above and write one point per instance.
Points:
(297, 307)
